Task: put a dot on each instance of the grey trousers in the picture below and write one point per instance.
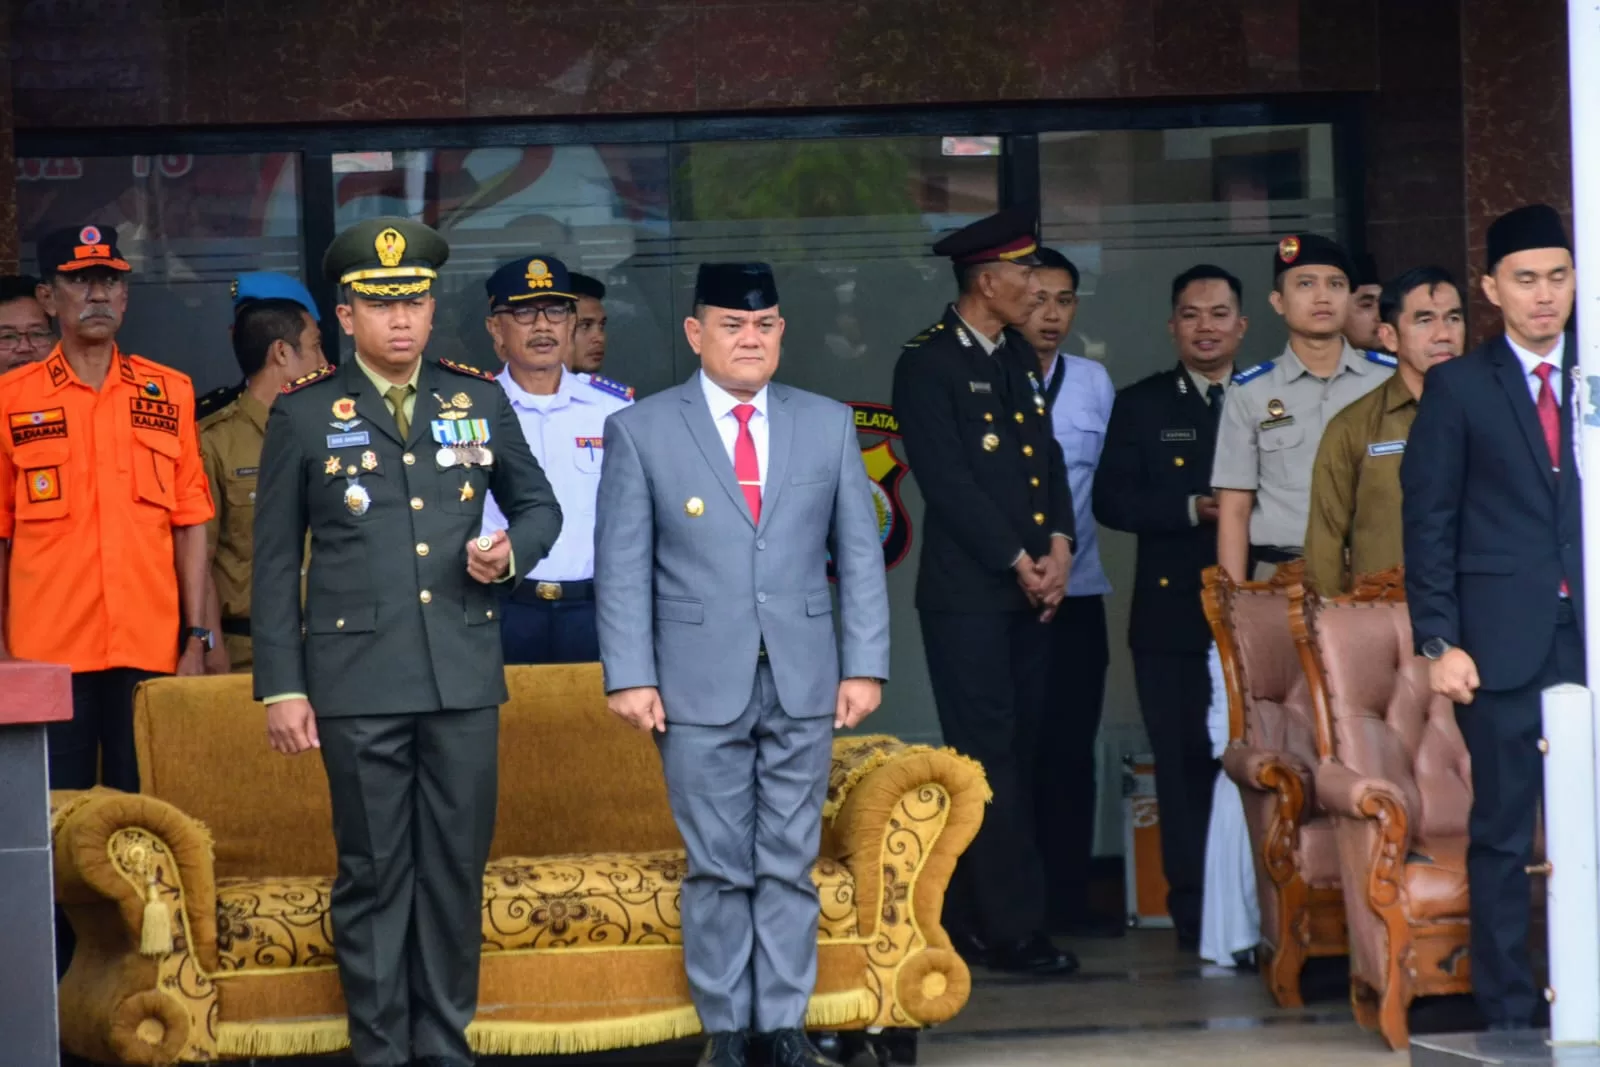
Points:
(413, 814)
(747, 798)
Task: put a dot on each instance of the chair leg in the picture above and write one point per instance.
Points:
(1364, 1003)
(1281, 973)
(1392, 1022)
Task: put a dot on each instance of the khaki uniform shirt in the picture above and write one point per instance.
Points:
(1271, 426)
(1355, 489)
(230, 447)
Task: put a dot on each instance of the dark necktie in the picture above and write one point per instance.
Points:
(1214, 396)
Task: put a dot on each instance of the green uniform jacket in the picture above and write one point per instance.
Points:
(393, 622)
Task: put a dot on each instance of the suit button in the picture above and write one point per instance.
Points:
(338, 624)
(1027, 450)
(489, 614)
(988, 416)
(1019, 416)
(761, 598)
(761, 545)
(1162, 583)
(1177, 461)
(1038, 518)
(1034, 482)
(408, 459)
(416, 503)
(422, 549)
(425, 596)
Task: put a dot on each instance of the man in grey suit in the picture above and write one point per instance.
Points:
(720, 501)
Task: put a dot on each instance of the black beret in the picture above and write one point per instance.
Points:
(1529, 226)
(1008, 235)
(584, 285)
(529, 278)
(739, 286)
(386, 258)
(1310, 250)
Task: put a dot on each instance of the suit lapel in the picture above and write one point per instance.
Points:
(1569, 481)
(780, 436)
(697, 415)
(1514, 380)
(370, 404)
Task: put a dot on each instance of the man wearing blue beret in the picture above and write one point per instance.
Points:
(276, 339)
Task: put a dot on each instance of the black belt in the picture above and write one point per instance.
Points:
(1271, 554)
(236, 627)
(536, 592)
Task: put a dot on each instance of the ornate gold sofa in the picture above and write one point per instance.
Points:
(1271, 755)
(201, 905)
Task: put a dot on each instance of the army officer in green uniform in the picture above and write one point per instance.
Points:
(397, 674)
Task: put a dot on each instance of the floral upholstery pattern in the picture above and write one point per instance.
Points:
(552, 902)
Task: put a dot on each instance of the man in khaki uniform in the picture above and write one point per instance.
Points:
(276, 339)
(1354, 526)
(1274, 415)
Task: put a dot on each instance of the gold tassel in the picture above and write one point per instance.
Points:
(155, 934)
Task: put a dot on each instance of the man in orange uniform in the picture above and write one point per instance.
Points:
(103, 505)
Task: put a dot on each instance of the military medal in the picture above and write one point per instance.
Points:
(356, 498)
(1275, 406)
(461, 400)
(332, 466)
(446, 457)
(466, 492)
(991, 442)
(1183, 384)
(344, 408)
(369, 461)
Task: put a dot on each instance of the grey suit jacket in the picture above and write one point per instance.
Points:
(684, 601)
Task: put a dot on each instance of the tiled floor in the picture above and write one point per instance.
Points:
(1136, 1002)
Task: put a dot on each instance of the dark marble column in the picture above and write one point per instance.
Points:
(1517, 124)
(8, 166)
(31, 694)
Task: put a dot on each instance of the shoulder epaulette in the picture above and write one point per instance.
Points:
(462, 368)
(1254, 372)
(308, 379)
(925, 336)
(214, 401)
(1382, 359)
(616, 389)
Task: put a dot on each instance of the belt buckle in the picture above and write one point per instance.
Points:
(547, 590)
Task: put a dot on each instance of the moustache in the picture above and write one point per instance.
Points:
(96, 312)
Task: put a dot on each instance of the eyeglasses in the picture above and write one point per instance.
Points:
(35, 338)
(554, 314)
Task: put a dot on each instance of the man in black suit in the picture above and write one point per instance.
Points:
(1154, 481)
(1494, 573)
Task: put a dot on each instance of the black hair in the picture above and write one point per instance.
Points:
(1206, 272)
(586, 285)
(1395, 292)
(1050, 259)
(18, 286)
(258, 323)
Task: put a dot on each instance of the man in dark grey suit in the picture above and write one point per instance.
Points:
(720, 500)
(387, 460)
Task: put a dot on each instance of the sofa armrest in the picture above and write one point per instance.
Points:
(1341, 791)
(1266, 770)
(141, 855)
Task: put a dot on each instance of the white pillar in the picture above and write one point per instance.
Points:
(1571, 846)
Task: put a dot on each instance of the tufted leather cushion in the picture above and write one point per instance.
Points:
(1278, 715)
(555, 902)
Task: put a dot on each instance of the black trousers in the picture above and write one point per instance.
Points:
(1502, 732)
(1064, 791)
(990, 681)
(95, 747)
(549, 631)
(413, 815)
(1174, 697)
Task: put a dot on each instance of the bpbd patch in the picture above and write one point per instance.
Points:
(160, 415)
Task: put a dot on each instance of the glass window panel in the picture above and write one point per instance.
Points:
(188, 224)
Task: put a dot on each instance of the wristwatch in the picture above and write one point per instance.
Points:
(1435, 647)
(206, 637)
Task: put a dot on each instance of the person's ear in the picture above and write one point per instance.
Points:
(1389, 337)
(1275, 298)
(347, 319)
(693, 331)
(1491, 289)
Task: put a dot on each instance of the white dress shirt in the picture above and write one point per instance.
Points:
(566, 434)
(722, 404)
(1079, 416)
(1530, 361)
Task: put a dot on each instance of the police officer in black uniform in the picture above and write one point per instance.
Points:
(996, 549)
(1154, 481)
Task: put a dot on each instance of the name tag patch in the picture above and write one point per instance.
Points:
(38, 425)
(1386, 448)
(246, 472)
(349, 440)
(1277, 423)
(591, 442)
(1178, 435)
(980, 387)
(155, 415)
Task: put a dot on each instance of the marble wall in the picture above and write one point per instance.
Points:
(8, 168)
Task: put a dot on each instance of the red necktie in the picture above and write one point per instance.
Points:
(746, 467)
(1550, 422)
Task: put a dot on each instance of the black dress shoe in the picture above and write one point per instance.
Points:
(1032, 955)
(728, 1049)
(792, 1048)
(969, 947)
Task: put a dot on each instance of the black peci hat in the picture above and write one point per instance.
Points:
(739, 286)
(1524, 228)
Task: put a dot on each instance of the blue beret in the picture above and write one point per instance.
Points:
(529, 278)
(264, 285)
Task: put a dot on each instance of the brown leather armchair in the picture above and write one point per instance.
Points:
(1393, 769)
(1271, 754)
